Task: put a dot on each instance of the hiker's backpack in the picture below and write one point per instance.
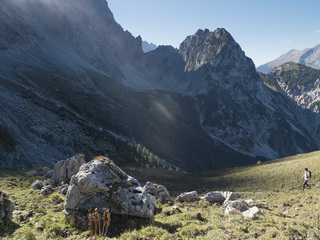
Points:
(309, 174)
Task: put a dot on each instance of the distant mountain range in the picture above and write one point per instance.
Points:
(72, 80)
(147, 47)
(309, 57)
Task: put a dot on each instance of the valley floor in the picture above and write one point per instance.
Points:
(276, 187)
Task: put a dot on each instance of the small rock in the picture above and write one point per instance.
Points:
(49, 181)
(150, 188)
(6, 208)
(163, 194)
(37, 185)
(188, 197)
(175, 208)
(250, 202)
(32, 173)
(235, 206)
(252, 213)
(47, 190)
(63, 189)
(219, 197)
(48, 174)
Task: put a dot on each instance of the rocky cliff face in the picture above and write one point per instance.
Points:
(300, 84)
(73, 81)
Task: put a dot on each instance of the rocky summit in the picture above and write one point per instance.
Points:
(72, 80)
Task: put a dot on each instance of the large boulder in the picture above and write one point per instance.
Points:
(188, 197)
(6, 208)
(65, 169)
(102, 184)
(219, 197)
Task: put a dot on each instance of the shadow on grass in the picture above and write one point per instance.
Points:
(8, 229)
(168, 227)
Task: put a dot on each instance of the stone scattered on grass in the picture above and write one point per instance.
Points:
(6, 208)
(252, 212)
(37, 185)
(159, 192)
(188, 197)
(219, 197)
(47, 190)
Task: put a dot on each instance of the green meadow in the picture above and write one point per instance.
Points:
(276, 187)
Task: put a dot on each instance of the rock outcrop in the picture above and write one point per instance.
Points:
(102, 184)
(6, 208)
(65, 169)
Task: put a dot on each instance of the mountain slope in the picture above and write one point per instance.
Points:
(300, 84)
(309, 57)
(73, 81)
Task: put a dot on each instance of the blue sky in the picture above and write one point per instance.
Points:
(265, 29)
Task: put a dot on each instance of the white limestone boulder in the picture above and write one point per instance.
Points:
(102, 184)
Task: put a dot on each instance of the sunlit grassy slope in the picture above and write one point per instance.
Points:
(289, 212)
(278, 175)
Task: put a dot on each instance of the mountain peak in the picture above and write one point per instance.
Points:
(214, 48)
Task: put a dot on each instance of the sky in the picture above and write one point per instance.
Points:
(265, 29)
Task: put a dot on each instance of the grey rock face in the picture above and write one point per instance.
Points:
(188, 197)
(102, 184)
(65, 169)
(6, 208)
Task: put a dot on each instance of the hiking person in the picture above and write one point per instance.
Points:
(306, 177)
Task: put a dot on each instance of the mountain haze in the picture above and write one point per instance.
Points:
(309, 57)
(72, 80)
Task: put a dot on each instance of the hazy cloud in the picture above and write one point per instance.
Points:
(288, 40)
(318, 31)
